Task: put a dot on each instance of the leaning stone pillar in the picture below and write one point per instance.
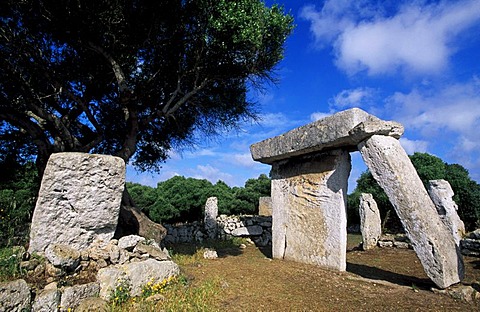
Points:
(431, 239)
(309, 209)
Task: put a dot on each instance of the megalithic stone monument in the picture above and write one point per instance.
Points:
(310, 168)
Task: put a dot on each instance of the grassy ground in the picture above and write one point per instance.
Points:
(247, 279)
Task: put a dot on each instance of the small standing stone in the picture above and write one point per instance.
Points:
(211, 213)
(370, 222)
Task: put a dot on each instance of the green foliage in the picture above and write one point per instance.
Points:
(121, 293)
(10, 258)
(18, 191)
(131, 78)
(181, 199)
(429, 167)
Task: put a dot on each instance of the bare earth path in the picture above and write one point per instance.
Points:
(378, 280)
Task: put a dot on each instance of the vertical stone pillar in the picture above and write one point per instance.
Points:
(370, 222)
(265, 206)
(210, 219)
(309, 222)
(441, 194)
(432, 241)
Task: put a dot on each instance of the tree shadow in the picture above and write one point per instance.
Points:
(392, 277)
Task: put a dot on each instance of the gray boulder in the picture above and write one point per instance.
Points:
(15, 296)
(47, 300)
(136, 274)
(63, 256)
(72, 296)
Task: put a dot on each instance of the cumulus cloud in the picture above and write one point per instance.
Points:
(418, 37)
(318, 115)
(412, 146)
(213, 174)
(359, 97)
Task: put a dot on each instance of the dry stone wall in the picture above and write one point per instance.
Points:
(257, 228)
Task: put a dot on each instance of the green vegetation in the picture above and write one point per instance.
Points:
(429, 167)
(10, 259)
(131, 78)
(181, 199)
(19, 185)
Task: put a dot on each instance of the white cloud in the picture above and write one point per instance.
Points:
(243, 160)
(318, 115)
(417, 38)
(359, 97)
(213, 174)
(412, 146)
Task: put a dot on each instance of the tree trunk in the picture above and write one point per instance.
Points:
(133, 221)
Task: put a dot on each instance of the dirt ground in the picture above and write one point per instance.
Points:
(377, 280)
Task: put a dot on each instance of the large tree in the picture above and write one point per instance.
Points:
(132, 78)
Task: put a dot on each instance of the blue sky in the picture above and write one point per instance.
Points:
(415, 62)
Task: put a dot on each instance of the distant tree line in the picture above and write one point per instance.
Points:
(181, 199)
(429, 167)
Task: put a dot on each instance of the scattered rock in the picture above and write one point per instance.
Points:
(129, 242)
(63, 256)
(71, 296)
(210, 254)
(47, 300)
(15, 296)
(92, 304)
(253, 230)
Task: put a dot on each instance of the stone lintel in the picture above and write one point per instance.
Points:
(343, 130)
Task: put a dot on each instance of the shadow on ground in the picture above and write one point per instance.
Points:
(392, 277)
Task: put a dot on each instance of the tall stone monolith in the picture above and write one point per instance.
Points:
(441, 194)
(79, 201)
(370, 222)
(431, 239)
(210, 219)
(309, 221)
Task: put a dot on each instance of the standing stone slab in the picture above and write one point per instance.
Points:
(441, 194)
(370, 222)
(432, 241)
(210, 219)
(79, 200)
(265, 206)
(309, 216)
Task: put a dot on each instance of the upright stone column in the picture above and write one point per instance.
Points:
(441, 194)
(265, 206)
(78, 202)
(370, 222)
(431, 239)
(211, 213)
(309, 221)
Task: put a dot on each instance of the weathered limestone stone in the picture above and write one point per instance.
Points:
(253, 230)
(92, 304)
(72, 296)
(153, 251)
(129, 242)
(341, 130)
(210, 254)
(79, 200)
(370, 222)
(309, 216)
(441, 194)
(265, 206)
(431, 239)
(63, 256)
(46, 301)
(211, 213)
(137, 274)
(15, 296)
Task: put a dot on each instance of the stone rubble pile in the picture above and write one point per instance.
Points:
(257, 228)
(394, 240)
(470, 245)
(131, 259)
